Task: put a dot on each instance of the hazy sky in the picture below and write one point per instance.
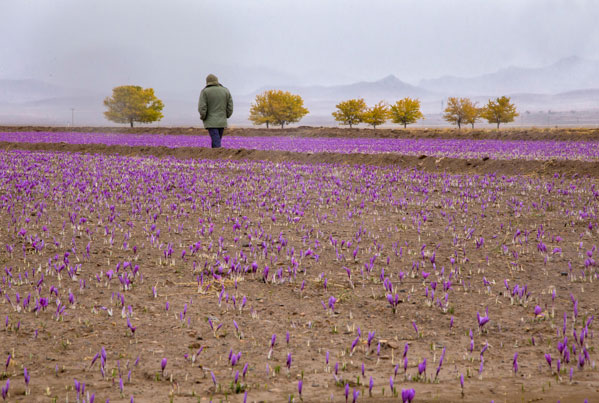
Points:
(175, 43)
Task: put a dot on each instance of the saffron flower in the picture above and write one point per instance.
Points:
(538, 311)
(407, 395)
(548, 359)
(163, 365)
(422, 367)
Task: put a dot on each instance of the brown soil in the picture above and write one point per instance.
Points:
(373, 207)
(432, 164)
(562, 134)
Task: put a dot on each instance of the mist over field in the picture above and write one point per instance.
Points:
(60, 59)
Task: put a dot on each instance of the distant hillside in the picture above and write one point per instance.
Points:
(389, 89)
(20, 91)
(567, 74)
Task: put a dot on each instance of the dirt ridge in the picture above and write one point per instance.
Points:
(423, 162)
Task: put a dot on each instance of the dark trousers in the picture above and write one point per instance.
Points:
(216, 135)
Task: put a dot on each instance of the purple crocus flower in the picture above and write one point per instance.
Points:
(130, 326)
(407, 395)
(422, 367)
(548, 359)
(332, 301)
(482, 320)
(163, 365)
(441, 362)
(26, 376)
(370, 386)
(354, 344)
(300, 385)
(370, 338)
(5, 389)
(538, 311)
(559, 365)
(515, 363)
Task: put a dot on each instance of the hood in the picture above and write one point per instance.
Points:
(211, 79)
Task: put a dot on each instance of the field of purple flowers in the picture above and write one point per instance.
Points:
(449, 148)
(148, 279)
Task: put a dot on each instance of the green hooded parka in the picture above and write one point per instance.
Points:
(215, 104)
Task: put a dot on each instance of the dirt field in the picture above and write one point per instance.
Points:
(93, 241)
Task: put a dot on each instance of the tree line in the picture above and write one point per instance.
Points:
(281, 108)
(459, 111)
(130, 104)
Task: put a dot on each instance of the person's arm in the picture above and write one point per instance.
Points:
(229, 105)
(202, 106)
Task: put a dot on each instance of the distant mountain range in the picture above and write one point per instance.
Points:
(569, 84)
(22, 91)
(572, 73)
(388, 88)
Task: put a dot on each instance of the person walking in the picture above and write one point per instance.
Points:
(215, 107)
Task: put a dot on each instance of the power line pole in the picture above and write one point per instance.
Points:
(72, 117)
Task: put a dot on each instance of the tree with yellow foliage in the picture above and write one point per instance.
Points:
(406, 111)
(131, 103)
(499, 111)
(350, 112)
(376, 115)
(456, 110)
(260, 110)
(471, 113)
(277, 107)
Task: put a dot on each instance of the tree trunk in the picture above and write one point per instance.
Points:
(405, 125)
(459, 125)
(283, 125)
(498, 125)
(267, 125)
(473, 125)
(131, 122)
(350, 125)
(373, 127)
